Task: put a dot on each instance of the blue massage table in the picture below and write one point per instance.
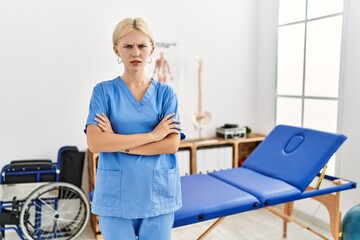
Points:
(279, 171)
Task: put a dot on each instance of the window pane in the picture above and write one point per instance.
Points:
(331, 166)
(288, 111)
(291, 11)
(318, 8)
(323, 57)
(321, 114)
(290, 59)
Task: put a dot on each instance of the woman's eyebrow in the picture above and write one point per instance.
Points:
(143, 43)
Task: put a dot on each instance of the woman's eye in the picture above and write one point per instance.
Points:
(128, 46)
(142, 46)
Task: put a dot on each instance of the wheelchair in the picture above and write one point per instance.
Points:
(40, 199)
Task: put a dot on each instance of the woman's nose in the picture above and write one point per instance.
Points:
(136, 51)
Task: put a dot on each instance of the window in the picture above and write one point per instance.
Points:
(308, 64)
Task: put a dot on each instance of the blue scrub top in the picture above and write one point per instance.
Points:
(135, 186)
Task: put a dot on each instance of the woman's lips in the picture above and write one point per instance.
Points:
(135, 62)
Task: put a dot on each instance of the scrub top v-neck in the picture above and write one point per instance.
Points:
(137, 104)
(134, 186)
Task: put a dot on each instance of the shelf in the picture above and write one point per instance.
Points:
(242, 147)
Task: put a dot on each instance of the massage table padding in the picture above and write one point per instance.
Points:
(205, 198)
(278, 171)
(294, 155)
(268, 190)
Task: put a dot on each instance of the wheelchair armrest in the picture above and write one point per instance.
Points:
(30, 165)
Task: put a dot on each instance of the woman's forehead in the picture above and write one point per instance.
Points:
(135, 36)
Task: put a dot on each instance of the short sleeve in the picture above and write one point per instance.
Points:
(97, 105)
(171, 106)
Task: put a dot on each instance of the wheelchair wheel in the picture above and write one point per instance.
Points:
(54, 211)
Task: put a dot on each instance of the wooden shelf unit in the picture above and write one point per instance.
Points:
(242, 147)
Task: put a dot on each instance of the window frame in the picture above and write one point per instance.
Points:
(303, 97)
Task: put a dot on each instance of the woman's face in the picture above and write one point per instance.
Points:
(134, 50)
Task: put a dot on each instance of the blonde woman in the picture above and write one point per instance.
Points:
(133, 123)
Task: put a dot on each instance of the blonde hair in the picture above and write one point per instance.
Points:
(128, 25)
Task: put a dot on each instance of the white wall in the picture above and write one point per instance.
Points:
(266, 65)
(349, 163)
(54, 52)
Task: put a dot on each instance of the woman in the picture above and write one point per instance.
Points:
(133, 124)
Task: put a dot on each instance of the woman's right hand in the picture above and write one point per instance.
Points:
(165, 127)
(104, 123)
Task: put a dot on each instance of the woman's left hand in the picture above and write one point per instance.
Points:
(104, 123)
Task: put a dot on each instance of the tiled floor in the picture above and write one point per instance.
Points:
(254, 225)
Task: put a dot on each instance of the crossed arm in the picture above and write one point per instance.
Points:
(163, 139)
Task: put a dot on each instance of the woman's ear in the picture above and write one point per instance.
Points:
(152, 49)
(116, 50)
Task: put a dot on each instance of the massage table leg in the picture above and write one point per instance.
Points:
(214, 225)
(288, 210)
(332, 204)
(330, 201)
(291, 219)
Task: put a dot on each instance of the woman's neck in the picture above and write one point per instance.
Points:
(135, 79)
